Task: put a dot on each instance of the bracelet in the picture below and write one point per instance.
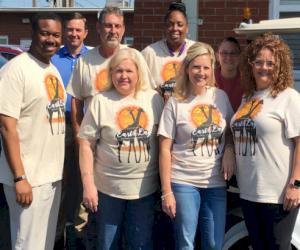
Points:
(165, 195)
(20, 178)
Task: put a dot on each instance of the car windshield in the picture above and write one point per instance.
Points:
(2, 61)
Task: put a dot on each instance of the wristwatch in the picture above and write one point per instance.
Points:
(295, 184)
(20, 178)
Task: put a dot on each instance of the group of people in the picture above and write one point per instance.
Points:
(165, 122)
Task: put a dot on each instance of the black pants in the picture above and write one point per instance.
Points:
(269, 226)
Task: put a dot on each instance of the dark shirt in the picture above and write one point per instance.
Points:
(232, 87)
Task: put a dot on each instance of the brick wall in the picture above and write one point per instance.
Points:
(219, 18)
(12, 26)
(148, 21)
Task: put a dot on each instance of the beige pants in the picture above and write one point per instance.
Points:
(33, 227)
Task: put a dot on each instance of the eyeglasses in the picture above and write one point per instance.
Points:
(227, 53)
(260, 63)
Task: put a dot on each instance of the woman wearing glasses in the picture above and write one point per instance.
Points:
(266, 130)
(227, 73)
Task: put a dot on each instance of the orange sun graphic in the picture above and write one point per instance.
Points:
(169, 70)
(200, 114)
(132, 116)
(250, 108)
(101, 80)
(54, 88)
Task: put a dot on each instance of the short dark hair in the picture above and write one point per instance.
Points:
(110, 10)
(233, 40)
(75, 15)
(42, 16)
(176, 6)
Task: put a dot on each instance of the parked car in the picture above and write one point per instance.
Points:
(3, 60)
(10, 51)
(236, 237)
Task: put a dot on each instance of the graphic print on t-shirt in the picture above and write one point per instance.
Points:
(56, 105)
(101, 80)
(133, 135)
(244, 128)
(208, 132)
(168, 74)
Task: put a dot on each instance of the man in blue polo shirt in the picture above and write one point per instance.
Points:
(75, 31)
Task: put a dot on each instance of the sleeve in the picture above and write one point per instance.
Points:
(74, 87)
(292, 115)
(90, 125)
(167, 125)
(12, 82)
(158, 104)
(150, 60)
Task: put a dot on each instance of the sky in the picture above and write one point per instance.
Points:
(44, 3)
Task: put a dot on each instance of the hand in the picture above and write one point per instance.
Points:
(228, 162)
(90, 197)
(291, 198)
(169, 205)
(23, 193)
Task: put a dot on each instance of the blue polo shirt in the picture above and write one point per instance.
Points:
(65, 63)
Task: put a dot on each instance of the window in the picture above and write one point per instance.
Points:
(285, 9)
(3, 39)
(25, 42)
(128, 40)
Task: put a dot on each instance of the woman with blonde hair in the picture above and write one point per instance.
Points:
(118, 153)
(195, 158)
(266, 130)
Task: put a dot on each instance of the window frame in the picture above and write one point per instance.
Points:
(275, 8)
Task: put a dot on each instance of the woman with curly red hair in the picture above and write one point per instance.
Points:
(266, 130)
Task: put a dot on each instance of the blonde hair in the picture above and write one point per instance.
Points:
(182, 88)
(144, 78)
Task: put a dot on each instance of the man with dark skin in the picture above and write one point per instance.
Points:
(32, 104)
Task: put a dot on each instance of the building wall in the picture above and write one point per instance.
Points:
(12, 26)
(219, 18)
(146, 24)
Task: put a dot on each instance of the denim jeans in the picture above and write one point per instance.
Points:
(199, 207)
(138, 216)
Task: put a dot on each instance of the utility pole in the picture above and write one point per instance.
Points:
(33, 3)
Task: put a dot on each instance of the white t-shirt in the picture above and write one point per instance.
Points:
(197, 128)
(33, 93)
(262, 128)
(89, 76)
(126, 157)
(163, 65)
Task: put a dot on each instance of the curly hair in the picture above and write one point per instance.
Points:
(282, 76)
(182, 87)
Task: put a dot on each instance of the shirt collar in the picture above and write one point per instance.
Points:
(64, 51)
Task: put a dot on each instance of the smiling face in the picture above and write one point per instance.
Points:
(111, 30)
(228, 56)
(200, 73)
(46, 40)
(75, 33)
(176, 29)
(263, 68)
(125, 77)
